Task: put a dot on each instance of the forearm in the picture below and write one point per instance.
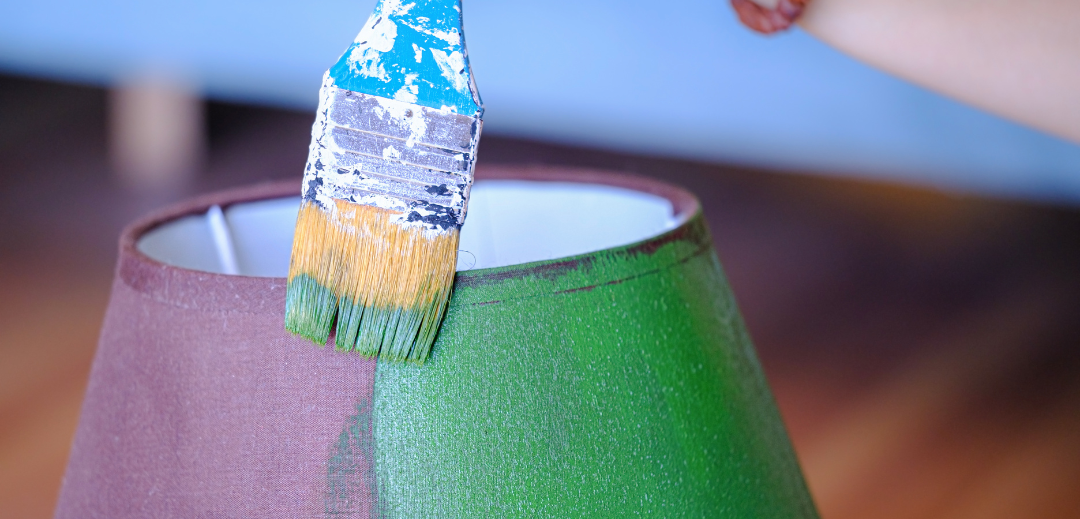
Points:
(1017, 58)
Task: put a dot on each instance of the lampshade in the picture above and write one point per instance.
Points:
(592, 363)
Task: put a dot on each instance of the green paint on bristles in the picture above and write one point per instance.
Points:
(309, 308)
(395, 334)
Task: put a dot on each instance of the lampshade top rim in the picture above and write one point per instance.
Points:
(147, 274)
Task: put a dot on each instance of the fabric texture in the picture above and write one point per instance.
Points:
(615, 383)
(196, 411)
(200, 405)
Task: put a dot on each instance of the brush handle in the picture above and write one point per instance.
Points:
(412, 52)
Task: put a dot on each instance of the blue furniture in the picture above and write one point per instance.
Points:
(678, 78)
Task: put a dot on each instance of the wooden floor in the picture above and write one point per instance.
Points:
(924, 348)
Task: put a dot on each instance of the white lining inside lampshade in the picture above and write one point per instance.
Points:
(509, 222)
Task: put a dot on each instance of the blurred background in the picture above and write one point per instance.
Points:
(909, 267)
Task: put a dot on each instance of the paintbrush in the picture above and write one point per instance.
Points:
(386, 185)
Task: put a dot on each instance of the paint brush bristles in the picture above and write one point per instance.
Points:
(386, 185)
(388, 283)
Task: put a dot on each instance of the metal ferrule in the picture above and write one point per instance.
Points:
(391, 154)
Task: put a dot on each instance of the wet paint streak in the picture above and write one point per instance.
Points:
(548, 271)
(693, 236)
(626, 387)
(697, 234)
(703, 249)
(589, 288)
(351, 484)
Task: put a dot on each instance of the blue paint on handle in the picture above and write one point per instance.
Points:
(412, 51)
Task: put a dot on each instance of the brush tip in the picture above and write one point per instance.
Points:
(382, 282)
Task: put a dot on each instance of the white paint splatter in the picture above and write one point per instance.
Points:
(451, 37)
(419, 52)
(394, 7)
(374, 39)
(365, 62)
(452, 66)
(418, 124)
(408, 92)
(391, 153)
(379, 36)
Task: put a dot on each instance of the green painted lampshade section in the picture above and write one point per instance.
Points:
(414, 52)
(613, 384)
